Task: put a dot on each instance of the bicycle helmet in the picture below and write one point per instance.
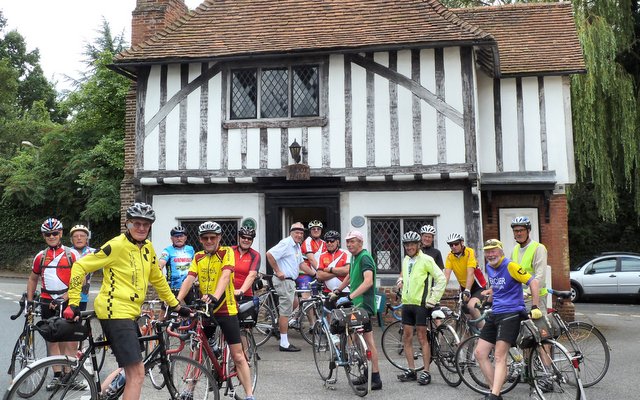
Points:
(141, 211)
(454, 237)
(427, 229)
(209, 227)
(315, 224)
(178, 230)
(247, 231)
(332, 235)
(50, 225)
(80, 228)
(410, 237)
(521, 221)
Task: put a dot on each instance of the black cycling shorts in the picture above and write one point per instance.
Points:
(414, 315)
(230, 328)
(476, 290)
(505, 327)
(123, 338)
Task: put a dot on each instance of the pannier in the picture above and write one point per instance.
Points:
(529, 335)
(248, 313)
(556, 331)
(347, 317)
(57, 329)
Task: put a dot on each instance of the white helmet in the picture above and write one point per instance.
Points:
(427, 229)
(209, 227)
(454, 237)
(410, 237)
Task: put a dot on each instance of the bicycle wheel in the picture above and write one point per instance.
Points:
(552, 372)
(323, 352)
(306, 319)
(469, 370)
(62, 378)
(444, 353)
(357, 365)
(189, 379)
(98, 335)
(29, 347)
(393, 347)
(249, 349)
(589, 347)
(266, 322)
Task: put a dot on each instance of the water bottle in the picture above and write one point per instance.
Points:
(256, 302)
(213, 343)
(116, 383)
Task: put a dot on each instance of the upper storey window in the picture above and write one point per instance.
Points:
(279, 92)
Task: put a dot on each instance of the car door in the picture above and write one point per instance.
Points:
(629, 275)
(600, 277)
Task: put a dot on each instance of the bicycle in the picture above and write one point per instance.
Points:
(548, 369)
(30, 346)
(342, 344)
(443, 342)
(183, 377)
(586, 344)
(215, 353)
(268, 314)
(459, 319)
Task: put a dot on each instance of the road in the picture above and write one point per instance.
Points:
(293, 375)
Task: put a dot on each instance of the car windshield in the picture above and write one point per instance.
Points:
(581, 264)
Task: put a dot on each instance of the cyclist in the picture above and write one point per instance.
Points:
(531, 256)
(334, 263)
(247, 263)
(175, 260)
(312, 247)
(214, 267)
(285, 259)
(427, 234)
(503, 325)
(423, 284)
(52, 267)
(129, 263)
(462, 261)
(80, 236)
(362, 278)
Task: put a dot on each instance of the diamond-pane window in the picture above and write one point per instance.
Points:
(274, 98)
(229, 232)
(305, 91)
(386, 240)
(244, 94)
(282, 92)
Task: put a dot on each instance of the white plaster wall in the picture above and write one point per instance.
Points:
(193, 120)
(359, 115)
(253, 148)
(405, 115)
(485, 125)
(336, 112)
(214, 128)
(382, 126)
(508, 100)
(557, 110)
(428, 114)
(531, 116)
(172, 208)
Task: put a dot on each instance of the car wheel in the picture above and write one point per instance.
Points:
(575, 293)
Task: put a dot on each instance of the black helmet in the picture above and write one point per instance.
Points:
(247, 231)
(332, 235)
(177, 230)
(142, 211)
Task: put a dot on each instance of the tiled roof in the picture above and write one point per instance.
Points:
(235, 28)
(533, 38)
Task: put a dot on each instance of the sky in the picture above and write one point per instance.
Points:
(61, 28)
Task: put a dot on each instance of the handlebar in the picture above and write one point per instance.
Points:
(22, 303)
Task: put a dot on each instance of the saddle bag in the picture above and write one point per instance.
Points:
(57, 329)
(341, 318)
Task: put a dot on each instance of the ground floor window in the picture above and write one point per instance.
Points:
(386, 240)
(229, 231)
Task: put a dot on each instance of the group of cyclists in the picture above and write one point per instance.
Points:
(223, 277)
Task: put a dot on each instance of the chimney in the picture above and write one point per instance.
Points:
(152, 16)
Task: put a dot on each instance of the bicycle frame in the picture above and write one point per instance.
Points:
(28, 330)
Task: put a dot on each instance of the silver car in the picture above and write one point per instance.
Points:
(613, 274)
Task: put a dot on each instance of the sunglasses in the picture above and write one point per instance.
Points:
(49, 234)
(178, 235)
(209, 238)
(331, 241)
(454, 244)
(246, 238)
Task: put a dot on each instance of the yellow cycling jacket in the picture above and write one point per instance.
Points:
(128, 270)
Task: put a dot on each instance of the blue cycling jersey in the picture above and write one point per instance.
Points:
(506, 280)
(178, 263)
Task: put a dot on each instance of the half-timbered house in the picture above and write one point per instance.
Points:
(405, 112)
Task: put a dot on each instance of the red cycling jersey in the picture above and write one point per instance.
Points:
(246, 263)
(337, 259)
(53, 266)
(315, 246)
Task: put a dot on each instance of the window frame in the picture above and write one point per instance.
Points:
(322, 63)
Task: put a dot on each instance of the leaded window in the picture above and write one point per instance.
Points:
(386, 240)
(279, 92)
(229, 232)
